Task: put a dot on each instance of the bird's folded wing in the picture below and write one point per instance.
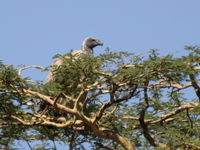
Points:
(76, 53)
(59, 62)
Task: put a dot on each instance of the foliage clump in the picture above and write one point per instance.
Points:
(113, 101)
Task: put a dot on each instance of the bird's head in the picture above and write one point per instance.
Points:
(91, 42)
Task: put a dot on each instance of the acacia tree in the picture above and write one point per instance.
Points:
(113, 101)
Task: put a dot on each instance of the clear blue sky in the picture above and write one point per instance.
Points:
(32, 32)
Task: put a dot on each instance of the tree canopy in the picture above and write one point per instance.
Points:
(113, 101)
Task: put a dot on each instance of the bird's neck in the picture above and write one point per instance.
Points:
(88, 51)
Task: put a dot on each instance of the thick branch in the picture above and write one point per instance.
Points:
(142, 115)
(107, 134)
(195, 85)
(79, 99)
(60, 107)
(100, 112)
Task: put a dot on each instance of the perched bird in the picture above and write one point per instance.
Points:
(87, 50)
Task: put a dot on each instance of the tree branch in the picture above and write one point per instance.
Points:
(142, 115)
(195, 85)
(180, 109)
(32, 66)
(107, 134)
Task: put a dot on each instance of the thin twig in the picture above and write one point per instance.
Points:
(28, 144)
(188, 115)
(32, 66)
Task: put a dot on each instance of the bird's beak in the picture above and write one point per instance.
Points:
(100, 43)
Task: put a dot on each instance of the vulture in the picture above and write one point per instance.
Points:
(87, 50)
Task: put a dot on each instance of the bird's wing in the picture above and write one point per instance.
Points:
(77, 52)
(59, 61)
